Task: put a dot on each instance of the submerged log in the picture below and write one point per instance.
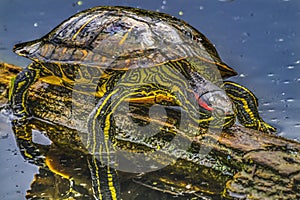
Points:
(242, 163)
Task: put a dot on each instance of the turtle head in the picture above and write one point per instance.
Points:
(219, 106)
(212, 99)
(217, 102)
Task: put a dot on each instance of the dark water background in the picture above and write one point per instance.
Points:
(259, 38)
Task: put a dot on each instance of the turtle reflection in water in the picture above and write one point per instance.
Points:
(63, 169)
(125, 54)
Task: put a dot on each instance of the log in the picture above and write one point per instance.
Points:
(242, 163)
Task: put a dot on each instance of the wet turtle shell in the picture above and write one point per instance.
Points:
(122, 38)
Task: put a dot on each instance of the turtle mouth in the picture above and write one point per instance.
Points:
(216, 102)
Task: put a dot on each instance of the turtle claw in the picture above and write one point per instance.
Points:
(260, 125)
(19, 111)
(19, 115)
(265, 127)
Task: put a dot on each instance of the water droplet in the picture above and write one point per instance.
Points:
(201, 7)
(283, 93)
(297, 62)
(35, 24)
(280, 40)
(297, 125)
(286, 82)
(163, 7)
(274, 120)
(79, 3)
(271, 110)
(270, 75)
(242, 75)
(266, 103)
(180, 13)
(236, 18)
(164, 2)
(290, 67)
(290, 100)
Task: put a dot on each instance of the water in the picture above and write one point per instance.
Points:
(260, 39)
(16, 174)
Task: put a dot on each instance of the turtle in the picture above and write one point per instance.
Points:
(123, 54)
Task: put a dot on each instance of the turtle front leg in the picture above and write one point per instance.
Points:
(19, 89)
(101, 141)
(246, 105)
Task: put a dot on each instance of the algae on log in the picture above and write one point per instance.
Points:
(242, 163)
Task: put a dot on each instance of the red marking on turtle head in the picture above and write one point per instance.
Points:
(202, 103)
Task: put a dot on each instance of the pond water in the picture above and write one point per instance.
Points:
(259, 39)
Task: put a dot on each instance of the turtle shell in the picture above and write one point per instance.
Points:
(122, 38)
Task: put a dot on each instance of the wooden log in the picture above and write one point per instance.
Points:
(242, 163)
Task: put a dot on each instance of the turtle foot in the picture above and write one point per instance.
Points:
(265, 127)
(19, 111)
(260, 125)
(18, 122)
